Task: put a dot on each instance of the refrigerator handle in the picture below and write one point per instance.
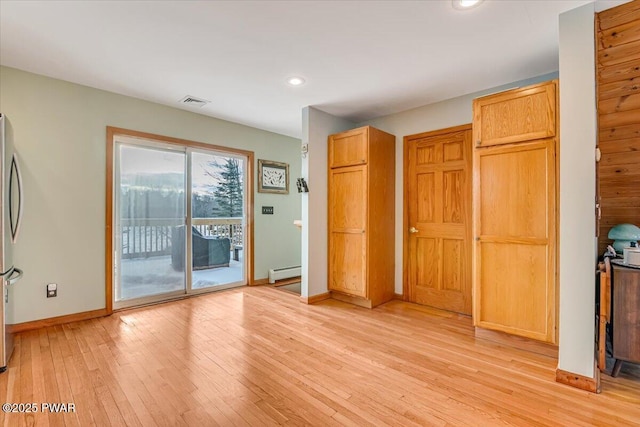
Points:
(15, 225)
(11, 280)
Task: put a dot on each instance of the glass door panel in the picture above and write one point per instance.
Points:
(150, 227)
(217, 220)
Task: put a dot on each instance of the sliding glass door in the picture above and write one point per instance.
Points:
(179, 221)
(217, 212)
(149, 208)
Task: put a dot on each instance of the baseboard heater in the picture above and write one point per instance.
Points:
(284, 273)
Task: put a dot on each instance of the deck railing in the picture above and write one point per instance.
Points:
(221, 227)
(144, 238)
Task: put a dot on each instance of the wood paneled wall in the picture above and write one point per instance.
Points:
(618, 90)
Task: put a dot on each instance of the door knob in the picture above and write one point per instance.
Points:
(413, 230)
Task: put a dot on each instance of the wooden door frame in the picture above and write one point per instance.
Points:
(112, 132)
(405, 197)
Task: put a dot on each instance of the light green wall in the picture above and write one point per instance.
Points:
(316, 128)
(578, 244)
(441, 115)
(59, 132)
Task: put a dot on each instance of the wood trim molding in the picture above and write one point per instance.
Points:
(438, 132)
(398, 297)
(250, 216)
(315, 298)
(405, 218)
(108, 229)
(578, 381)
(59, 320)
(177, 141)
(112, 132)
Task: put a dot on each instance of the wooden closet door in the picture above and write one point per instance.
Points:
(514, 224)
(439, 207)
(347, 230)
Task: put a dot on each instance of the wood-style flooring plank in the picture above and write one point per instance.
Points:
(258, 357)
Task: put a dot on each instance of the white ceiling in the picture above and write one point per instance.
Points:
(361, 59)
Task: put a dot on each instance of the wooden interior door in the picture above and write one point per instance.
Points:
(438, 226)
(515, 269)
(347, 227)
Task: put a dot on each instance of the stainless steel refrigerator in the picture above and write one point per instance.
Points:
(11, 202)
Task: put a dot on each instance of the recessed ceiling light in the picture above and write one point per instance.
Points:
(295, 81)
(465, 4)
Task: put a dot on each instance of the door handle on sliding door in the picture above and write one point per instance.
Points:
(12, 279)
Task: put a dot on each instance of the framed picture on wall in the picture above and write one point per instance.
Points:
(273, 177)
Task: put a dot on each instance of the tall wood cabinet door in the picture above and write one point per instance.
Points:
(347, 230)
(517, 115)
(439, 207)
(349, 148)
(515, 254)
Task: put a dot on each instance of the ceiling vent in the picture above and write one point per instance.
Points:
(193, 101)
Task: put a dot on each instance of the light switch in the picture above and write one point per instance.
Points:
(52, 290)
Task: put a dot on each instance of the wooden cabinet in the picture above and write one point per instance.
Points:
(515, 211)
(626, 316)
(518, 115)
(619, 305)
(361, 216)
(348, 149)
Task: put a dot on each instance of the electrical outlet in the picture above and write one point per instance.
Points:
(267, 210)
(52, 290)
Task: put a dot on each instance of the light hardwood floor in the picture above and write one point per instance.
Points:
(256, 356)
